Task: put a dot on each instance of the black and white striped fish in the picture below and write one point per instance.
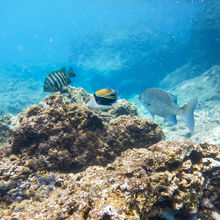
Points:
(55, 81)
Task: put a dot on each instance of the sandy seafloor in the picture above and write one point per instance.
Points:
(18, 94)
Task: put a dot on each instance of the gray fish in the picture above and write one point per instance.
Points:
(159, 102)
(55, 81)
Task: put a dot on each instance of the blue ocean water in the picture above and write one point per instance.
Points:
(127, 45)
(123, 44)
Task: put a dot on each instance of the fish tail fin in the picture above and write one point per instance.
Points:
(70, 72)
(188, 113)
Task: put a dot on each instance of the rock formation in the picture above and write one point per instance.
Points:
(5, 131)
(72, 137)
(177, 178)
(64, 161)
(79, 95)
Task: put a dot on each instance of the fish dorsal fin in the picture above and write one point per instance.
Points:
(171, 119)
(103, 92)
(63, 70)
(70, 72)
(107, 93)
(173, 97)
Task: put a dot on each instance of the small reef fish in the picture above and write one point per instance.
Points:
(103, 99)
(159, 102)
(56, 80)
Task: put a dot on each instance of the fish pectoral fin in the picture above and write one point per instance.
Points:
(147, 103)
(171, 119)
(68, 81)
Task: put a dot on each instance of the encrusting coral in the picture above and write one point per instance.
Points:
(73, 137)
(5, 130)
(73, 164)
(139, 184)
(79, 95)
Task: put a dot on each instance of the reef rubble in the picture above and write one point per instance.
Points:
(65, 161)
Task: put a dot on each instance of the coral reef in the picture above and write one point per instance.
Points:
(121, 108)
(79, 95)
(73, 137)
(74, 95)
(72, 163)
(70, 95)
(140, 184)
(5, 131)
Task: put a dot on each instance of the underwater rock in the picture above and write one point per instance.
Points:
(79, 95)
(74, 95)
(5, 131)
(12, 175)
(72, 137)
(176, 176)
(184, 72)
(210, 202)
(207, 113)
(120, 108)
(205, 32)
(206, 86)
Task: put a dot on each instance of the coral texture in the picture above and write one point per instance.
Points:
(69, 95)
(73, 137)
(70, 162)
(5, 130)
(139, 184)
(79, 95)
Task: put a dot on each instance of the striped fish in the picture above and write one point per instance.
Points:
(55, 81)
